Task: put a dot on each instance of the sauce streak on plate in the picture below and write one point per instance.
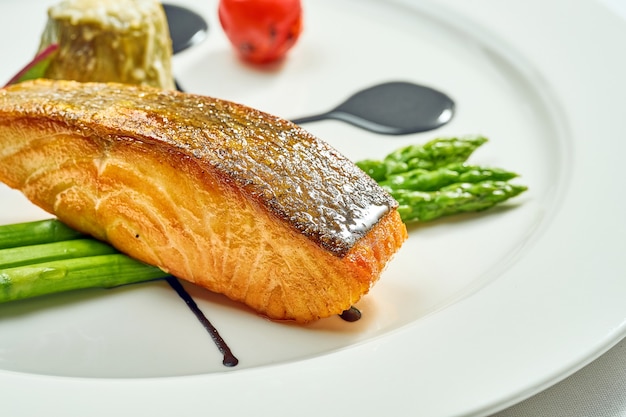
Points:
(229, 359)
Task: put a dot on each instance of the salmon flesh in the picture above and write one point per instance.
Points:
(230, 198)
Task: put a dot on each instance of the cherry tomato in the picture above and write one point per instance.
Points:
(261, 31)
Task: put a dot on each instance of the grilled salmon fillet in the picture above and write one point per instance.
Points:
(235, 200)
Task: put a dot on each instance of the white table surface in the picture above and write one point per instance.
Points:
(597, 390)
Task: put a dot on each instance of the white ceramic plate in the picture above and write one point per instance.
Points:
(474, 313)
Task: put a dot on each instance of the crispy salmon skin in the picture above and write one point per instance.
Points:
(235, 200)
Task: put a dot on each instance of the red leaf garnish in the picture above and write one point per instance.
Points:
(37, 67)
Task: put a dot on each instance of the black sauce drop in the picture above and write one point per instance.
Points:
(393, 108)
(187, 28)
(229, 359)
(351, 315)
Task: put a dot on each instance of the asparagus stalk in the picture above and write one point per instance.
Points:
(433, 180)
(453, 199)
(437, 153)
(33, 233)
(102, 271)
(425, 180)
(45, 252)
(48, 257)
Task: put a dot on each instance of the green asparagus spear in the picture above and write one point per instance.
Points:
(475, 173)
(103, 271)
(433, 180)
(46, 257)
(437, 153)
(34, 233)
(33, 254)
(380, 170)
(425, 180)
(453, 199)
(421, 179)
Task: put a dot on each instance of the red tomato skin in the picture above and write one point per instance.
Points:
(261, 31)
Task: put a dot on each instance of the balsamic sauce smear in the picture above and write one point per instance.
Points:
(392, 108)
(229, 359)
